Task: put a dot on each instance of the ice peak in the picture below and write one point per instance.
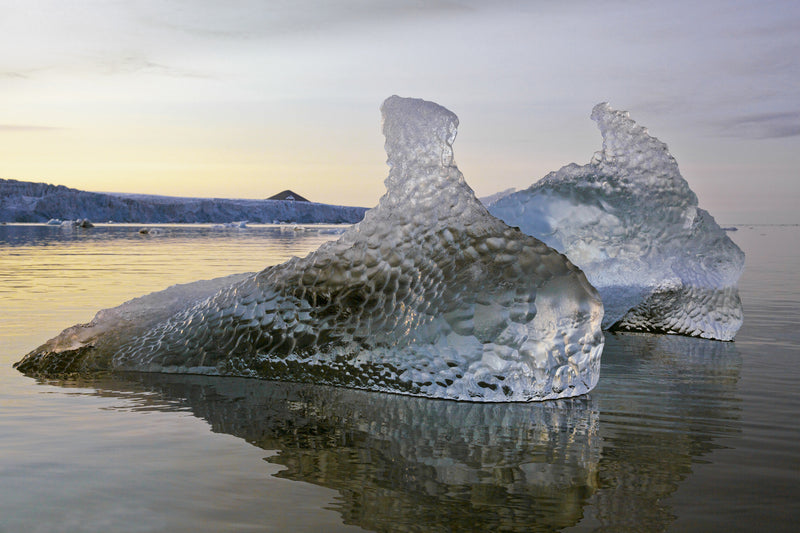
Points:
(423, 174)
(418, 132)
(628, 148)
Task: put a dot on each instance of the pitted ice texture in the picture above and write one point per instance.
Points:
(631, 222)
(429, 295)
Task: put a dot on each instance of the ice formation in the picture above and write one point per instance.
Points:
(429, 295)
(631, 222)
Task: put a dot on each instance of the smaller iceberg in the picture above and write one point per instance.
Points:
(630, 221)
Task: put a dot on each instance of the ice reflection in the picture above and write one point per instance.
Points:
(607, 462)
(402, 460)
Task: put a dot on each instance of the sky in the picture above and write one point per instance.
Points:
(245, 98)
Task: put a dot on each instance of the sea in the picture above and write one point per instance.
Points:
(680, 434)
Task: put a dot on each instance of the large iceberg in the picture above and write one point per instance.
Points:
(631, 222)
(429, 295)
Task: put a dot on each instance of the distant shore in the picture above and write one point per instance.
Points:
(22, 201)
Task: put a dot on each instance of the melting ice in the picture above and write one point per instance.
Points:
(631, 222)
(429, 295)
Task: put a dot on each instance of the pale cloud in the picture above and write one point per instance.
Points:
(763, 126)
(15, 75)
(25, 128)
(132, 64)
(246, 19)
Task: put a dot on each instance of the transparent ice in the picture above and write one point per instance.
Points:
(429, 295)
(631, 222)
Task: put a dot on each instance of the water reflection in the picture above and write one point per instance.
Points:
(608, 461)
(665, 401)
(44, 235)
(405, 463)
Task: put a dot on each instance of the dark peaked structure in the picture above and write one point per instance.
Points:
(288, 195)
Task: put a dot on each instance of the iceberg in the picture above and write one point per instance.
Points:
(630, 221)
(429, 295)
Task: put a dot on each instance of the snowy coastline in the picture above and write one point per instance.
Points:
(22, 201)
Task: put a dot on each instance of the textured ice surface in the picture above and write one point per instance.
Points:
(429, 295)
(631, 222)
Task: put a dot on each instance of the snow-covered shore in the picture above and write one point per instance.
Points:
(22, 201)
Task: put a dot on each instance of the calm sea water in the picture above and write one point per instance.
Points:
(680, 435)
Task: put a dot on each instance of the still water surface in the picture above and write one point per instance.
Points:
(680, 434)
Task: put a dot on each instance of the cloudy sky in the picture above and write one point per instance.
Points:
(244, 98)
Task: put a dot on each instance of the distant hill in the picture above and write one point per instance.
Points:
(288, 195)
(23, 201)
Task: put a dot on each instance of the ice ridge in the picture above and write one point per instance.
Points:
(631, 222)
(429, 295)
